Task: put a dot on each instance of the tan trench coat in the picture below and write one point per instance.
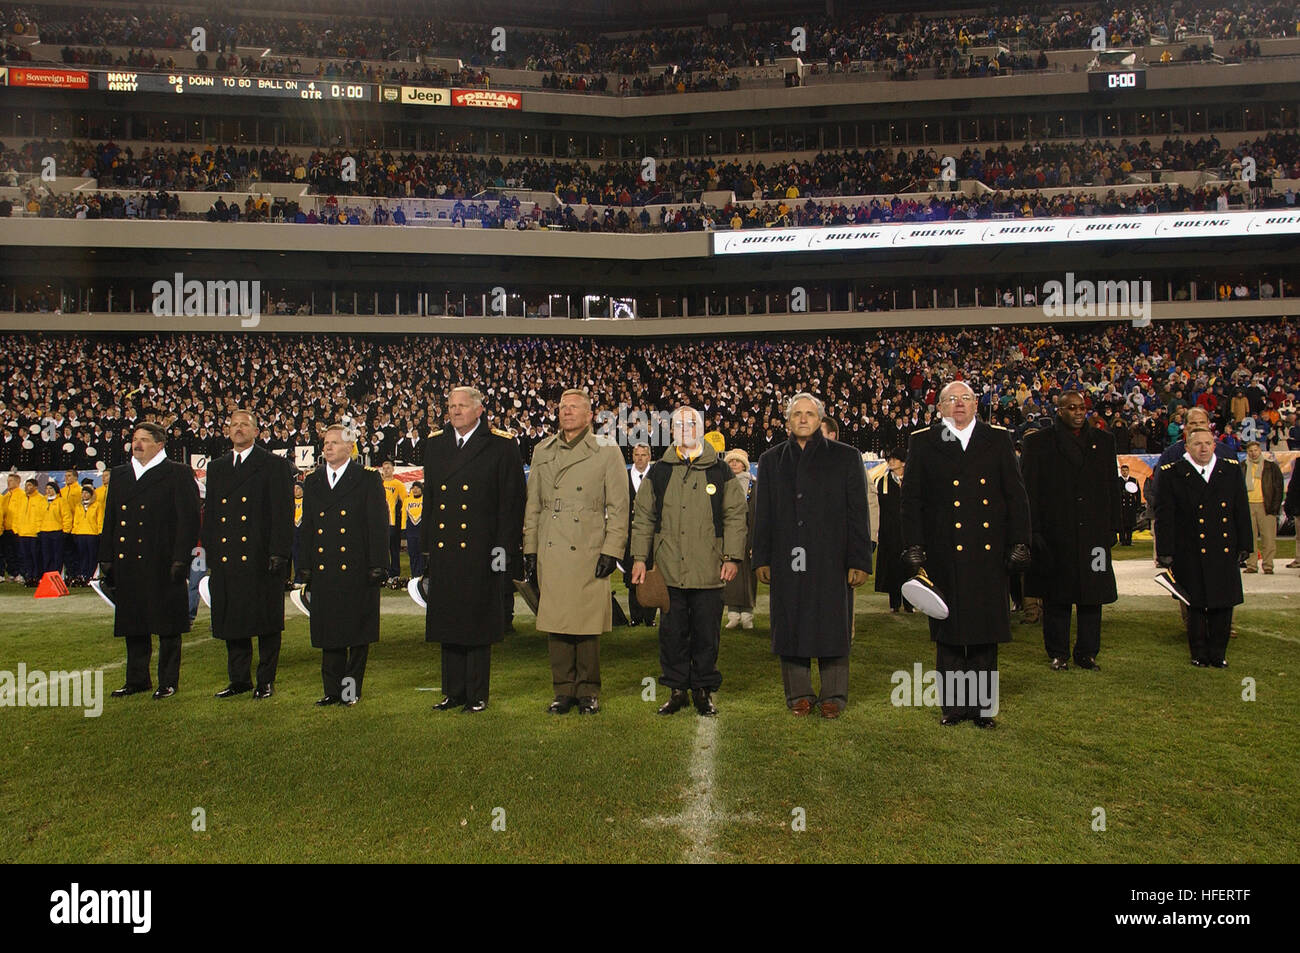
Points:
(577, 509)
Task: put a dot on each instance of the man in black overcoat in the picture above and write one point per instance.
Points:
(812, 544)
(471, 535)
(248, 539)
(1130, 504)
(1203, 536)
(345, 542)
(966, 521)
(1074, 509)
(151, 528)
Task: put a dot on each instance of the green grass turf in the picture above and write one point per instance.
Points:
(1183, 767)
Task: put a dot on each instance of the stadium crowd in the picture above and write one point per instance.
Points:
(899, 40)
(70, 401)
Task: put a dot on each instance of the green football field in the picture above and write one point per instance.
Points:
(1183, 767)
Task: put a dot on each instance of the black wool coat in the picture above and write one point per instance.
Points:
(890, 571)
(344, 534)
(471, 533)
(247, 519)
(1074, 509)
(811, 526)
(967, 508)
(1203, 526)
(149, 524)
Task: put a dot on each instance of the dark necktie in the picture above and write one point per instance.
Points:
(237, 460)
(460, 442)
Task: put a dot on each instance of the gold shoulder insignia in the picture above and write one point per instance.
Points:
(1234, 462)
(436, 433)
(503, 433)
(997, 427)
(1166, 466)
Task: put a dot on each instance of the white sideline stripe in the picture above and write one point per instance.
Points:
(1281, 637)
(698, 819)
(122, 663)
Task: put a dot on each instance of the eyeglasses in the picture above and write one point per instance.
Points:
(964, 398)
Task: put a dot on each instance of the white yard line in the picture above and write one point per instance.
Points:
(699, 818)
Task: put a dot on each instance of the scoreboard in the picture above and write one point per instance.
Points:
(217, 84)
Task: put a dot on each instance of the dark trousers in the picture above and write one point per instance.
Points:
(336, 665)
(796, 675)
(1056, 630)
(9, 564)
(466, 672)
(1126, 523)
(637, 613)
(979, 660)
(896, 600)
(29, 557)
(575, 665)
(87, 555)
(414, 554)
(239, 659)
(394, 551)
(689, 633)
(1017, 583)
(297, 560)
(1208, 631)
(51, 543)
(508, 603)
(139, 651)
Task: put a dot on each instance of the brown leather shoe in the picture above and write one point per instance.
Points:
(801, 708)
(830, 710)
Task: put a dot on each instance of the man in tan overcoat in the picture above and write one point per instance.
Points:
(575, 530)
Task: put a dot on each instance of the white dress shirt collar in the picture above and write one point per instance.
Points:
(465, 438)
(333, 476)
(241, 456)
(1203, 471)
(142, 468)
(962, 435)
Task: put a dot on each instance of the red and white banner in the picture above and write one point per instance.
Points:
(49, 78)
(487, 98)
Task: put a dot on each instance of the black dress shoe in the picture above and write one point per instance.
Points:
(704, 702)
(676, 702)
(264, 691)
(562, 704)
(475, 706)
(588, 705)
(1200, 663)
(230, 691)
(448, 703)
(1060, 664)
(1219, 663)
(985, 723)
(949, 720)
(164, 693)
(349, 703)
(1088, 663)
(130, 690)
(327, 700)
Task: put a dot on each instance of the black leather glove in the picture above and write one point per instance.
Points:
(106, 572)
(914, 558)
(376, 576)
(605, 565)
(530, 568)
(306, 579)
(180, 571)
(277, 566)
(1165, 562)
(1243, 558)
(1018, 559)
